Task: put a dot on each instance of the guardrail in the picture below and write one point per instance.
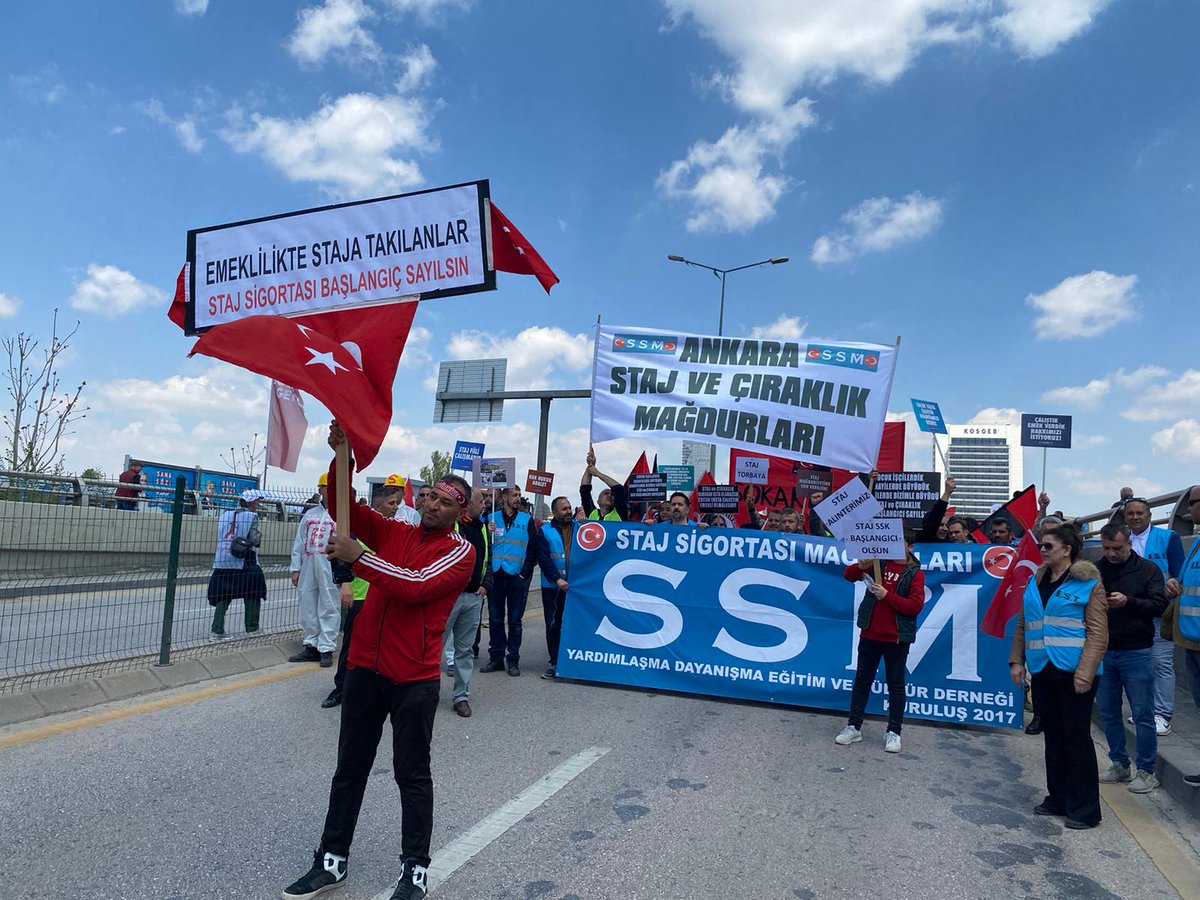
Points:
(84, 585)
(1169, 510)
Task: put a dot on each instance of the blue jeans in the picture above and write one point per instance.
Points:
(1132, 671)
(1164, 674)
(506, 601)
(1191, 663)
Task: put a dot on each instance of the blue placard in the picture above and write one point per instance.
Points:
(769, 617)
(929, 416)
(465, 454)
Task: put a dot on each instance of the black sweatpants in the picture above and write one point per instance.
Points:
(1072, 776)
(339, 677)
(553, 602)
(894, 657)
(368, 700)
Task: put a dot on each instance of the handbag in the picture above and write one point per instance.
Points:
(239, 547)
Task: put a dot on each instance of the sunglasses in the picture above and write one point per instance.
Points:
(1046, 545)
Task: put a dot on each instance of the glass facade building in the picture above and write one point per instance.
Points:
(987, 463)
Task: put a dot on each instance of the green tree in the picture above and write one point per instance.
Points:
(438, 468)
(91, 473)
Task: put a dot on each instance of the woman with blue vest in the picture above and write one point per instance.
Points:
(1060, 639)
(1181, 621)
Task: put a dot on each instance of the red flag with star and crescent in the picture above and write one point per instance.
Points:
(346, 360)
(512, 252)
(1022, 563)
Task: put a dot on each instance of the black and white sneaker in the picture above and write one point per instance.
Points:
(413, 883)
(328, 872)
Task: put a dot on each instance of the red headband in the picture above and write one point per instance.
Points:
(448, 488)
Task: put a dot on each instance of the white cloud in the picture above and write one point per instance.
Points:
(114, 292)
(44, 86)
(1037, 28)
(532, 355)
(728, 183)
(778, 47)
(352, 146)
(879, 223)
(989, 415)
(428, 10)
(418, 64)
(1088, 441)
(785, 328)
(191, 7)
(9, 305)
(1104, 487)
(1086, 396)
(416, 348)
(1181, 441)
(334, 27)
(184, 127)
(1083, 306)
(1176, 397)
(1139, 377)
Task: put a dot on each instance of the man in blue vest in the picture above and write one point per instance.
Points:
(1181, 621)
(1163, 548)
(554, 555)
(612, 504)
(514, 554)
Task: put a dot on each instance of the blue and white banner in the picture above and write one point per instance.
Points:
(770, 617)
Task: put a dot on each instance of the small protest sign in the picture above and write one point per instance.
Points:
(717, 498)
(876, 539)
(1046, 431)
(752, 470)
(846, 506)
(465, 454)
(679, 478)
(907, 495)
(929, 416)
(539, 482)
(648, 486)
(494, 472)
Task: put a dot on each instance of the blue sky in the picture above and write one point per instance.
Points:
(1009, 185)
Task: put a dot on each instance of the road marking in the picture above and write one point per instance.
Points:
(459, 851)
(41, 732)
(1175, 863)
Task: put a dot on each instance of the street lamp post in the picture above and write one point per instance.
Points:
(721, 273)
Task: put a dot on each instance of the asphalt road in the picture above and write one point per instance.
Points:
(224, 797)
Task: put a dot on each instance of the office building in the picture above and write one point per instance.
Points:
(987, 463)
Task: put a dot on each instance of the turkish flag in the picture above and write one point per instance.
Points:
(1020, 511)
(1023, 562)
(286, 427)
(511, 252)
(408, 493)
(347, 360)
(641, 467)
(706, 478)
(179, 303)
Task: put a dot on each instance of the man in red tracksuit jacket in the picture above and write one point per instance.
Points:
(416, 572)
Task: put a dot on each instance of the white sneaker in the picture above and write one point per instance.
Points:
(1143, 783)
(1162, 725)
(848, 735)
(1130, 721)
(891, 742)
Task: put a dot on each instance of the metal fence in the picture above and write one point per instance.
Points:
(84, 584)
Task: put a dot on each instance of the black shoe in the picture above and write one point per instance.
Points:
(1043, 810)
(328, 872)
(475, 652)
(551, 672)
(1034, 726)
(463, 708)
(334, 699)
(1079, 824)
(308, 654)
(326, 659)
(514, 670)
(493, 665)
(413, 883)
(1192, 780)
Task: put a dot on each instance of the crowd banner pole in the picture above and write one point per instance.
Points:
(342, 463)
(1045, 452)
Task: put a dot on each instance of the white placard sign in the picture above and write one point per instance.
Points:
(821, 402)
(752, 470)
(430, 243)
(845, 507)
(876, 539)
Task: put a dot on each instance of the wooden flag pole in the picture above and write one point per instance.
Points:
(342, 471)
(878, 575)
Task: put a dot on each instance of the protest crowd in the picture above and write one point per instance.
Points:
(435, 579)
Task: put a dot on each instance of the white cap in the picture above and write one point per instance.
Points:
(251, 496)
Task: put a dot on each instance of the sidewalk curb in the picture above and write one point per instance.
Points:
(36, 704)
(1175, 759)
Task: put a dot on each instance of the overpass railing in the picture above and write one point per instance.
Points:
(87, 586)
